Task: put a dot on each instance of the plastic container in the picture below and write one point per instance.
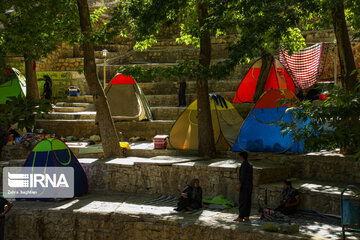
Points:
(74, 91)
(160, 141)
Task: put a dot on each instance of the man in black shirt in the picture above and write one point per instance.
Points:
(3, 212)
(245, 187)
(290, 199)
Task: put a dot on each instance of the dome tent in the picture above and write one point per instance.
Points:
(12, 84)
(226, 123)
(278, 78)
(260, 132)
(53, 152)
(126, 100)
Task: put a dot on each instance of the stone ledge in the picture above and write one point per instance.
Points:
(86, 128)
(123, 216)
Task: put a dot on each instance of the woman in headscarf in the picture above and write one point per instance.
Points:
(191, 197)
(47, 88)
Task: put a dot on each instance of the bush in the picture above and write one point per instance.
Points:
(23, 111)
(334, 123)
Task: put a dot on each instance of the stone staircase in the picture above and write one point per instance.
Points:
(162, 95)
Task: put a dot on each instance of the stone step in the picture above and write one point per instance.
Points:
(159, 113)
(320, 196)
(157, 88)
(86, 127)
(85, 106)
(69, 109)
(112, 68)
(166, 113)
(171, 54)
(99, 215)
(80, 99)
(73, 104)
(164, 53)
(65, 127)
(156, 100)
(172, 113)
(86, 115)
(172, 99)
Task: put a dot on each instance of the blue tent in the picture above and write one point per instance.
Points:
(260, 132)
(55, 153)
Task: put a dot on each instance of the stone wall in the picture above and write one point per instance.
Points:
(320, 178)
(322, 167)
(63, 59)
(329, 50)
(66, 224)
(62, 81)
(158, 179)
(115, 176)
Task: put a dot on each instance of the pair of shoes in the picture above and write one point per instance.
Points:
(246, 219)
(239, 220)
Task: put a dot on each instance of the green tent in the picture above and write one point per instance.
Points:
(53, 152)
(12, 84)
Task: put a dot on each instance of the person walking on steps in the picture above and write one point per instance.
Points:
(244, 188)
(182, 89)
(47, 94)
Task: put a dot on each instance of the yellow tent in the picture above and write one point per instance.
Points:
(226, 123)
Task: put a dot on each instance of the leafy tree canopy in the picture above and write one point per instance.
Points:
(259, 27)
(36, 28)
(317, 14)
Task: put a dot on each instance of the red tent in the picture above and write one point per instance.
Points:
(277, 79)
(122, 79)
(126, 100)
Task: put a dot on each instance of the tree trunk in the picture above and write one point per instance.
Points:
(346, 56)
(32, 89)
(266, 63)
(109, 137)
(205, 128)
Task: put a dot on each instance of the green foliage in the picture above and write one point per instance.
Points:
(95, 16)
(183, 69)
(36, 28)
(261, 27)
(317, 14)
(80, 70)
(23, 111)
(143, 45)
(334, 123)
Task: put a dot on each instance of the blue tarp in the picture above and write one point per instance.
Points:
(260, 132)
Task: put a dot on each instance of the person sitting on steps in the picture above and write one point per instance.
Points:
(191, 197)
(290, 199)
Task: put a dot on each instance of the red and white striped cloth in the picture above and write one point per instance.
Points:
(303, 66)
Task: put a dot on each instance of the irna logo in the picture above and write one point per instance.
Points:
(16, 180)
(38, 182)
